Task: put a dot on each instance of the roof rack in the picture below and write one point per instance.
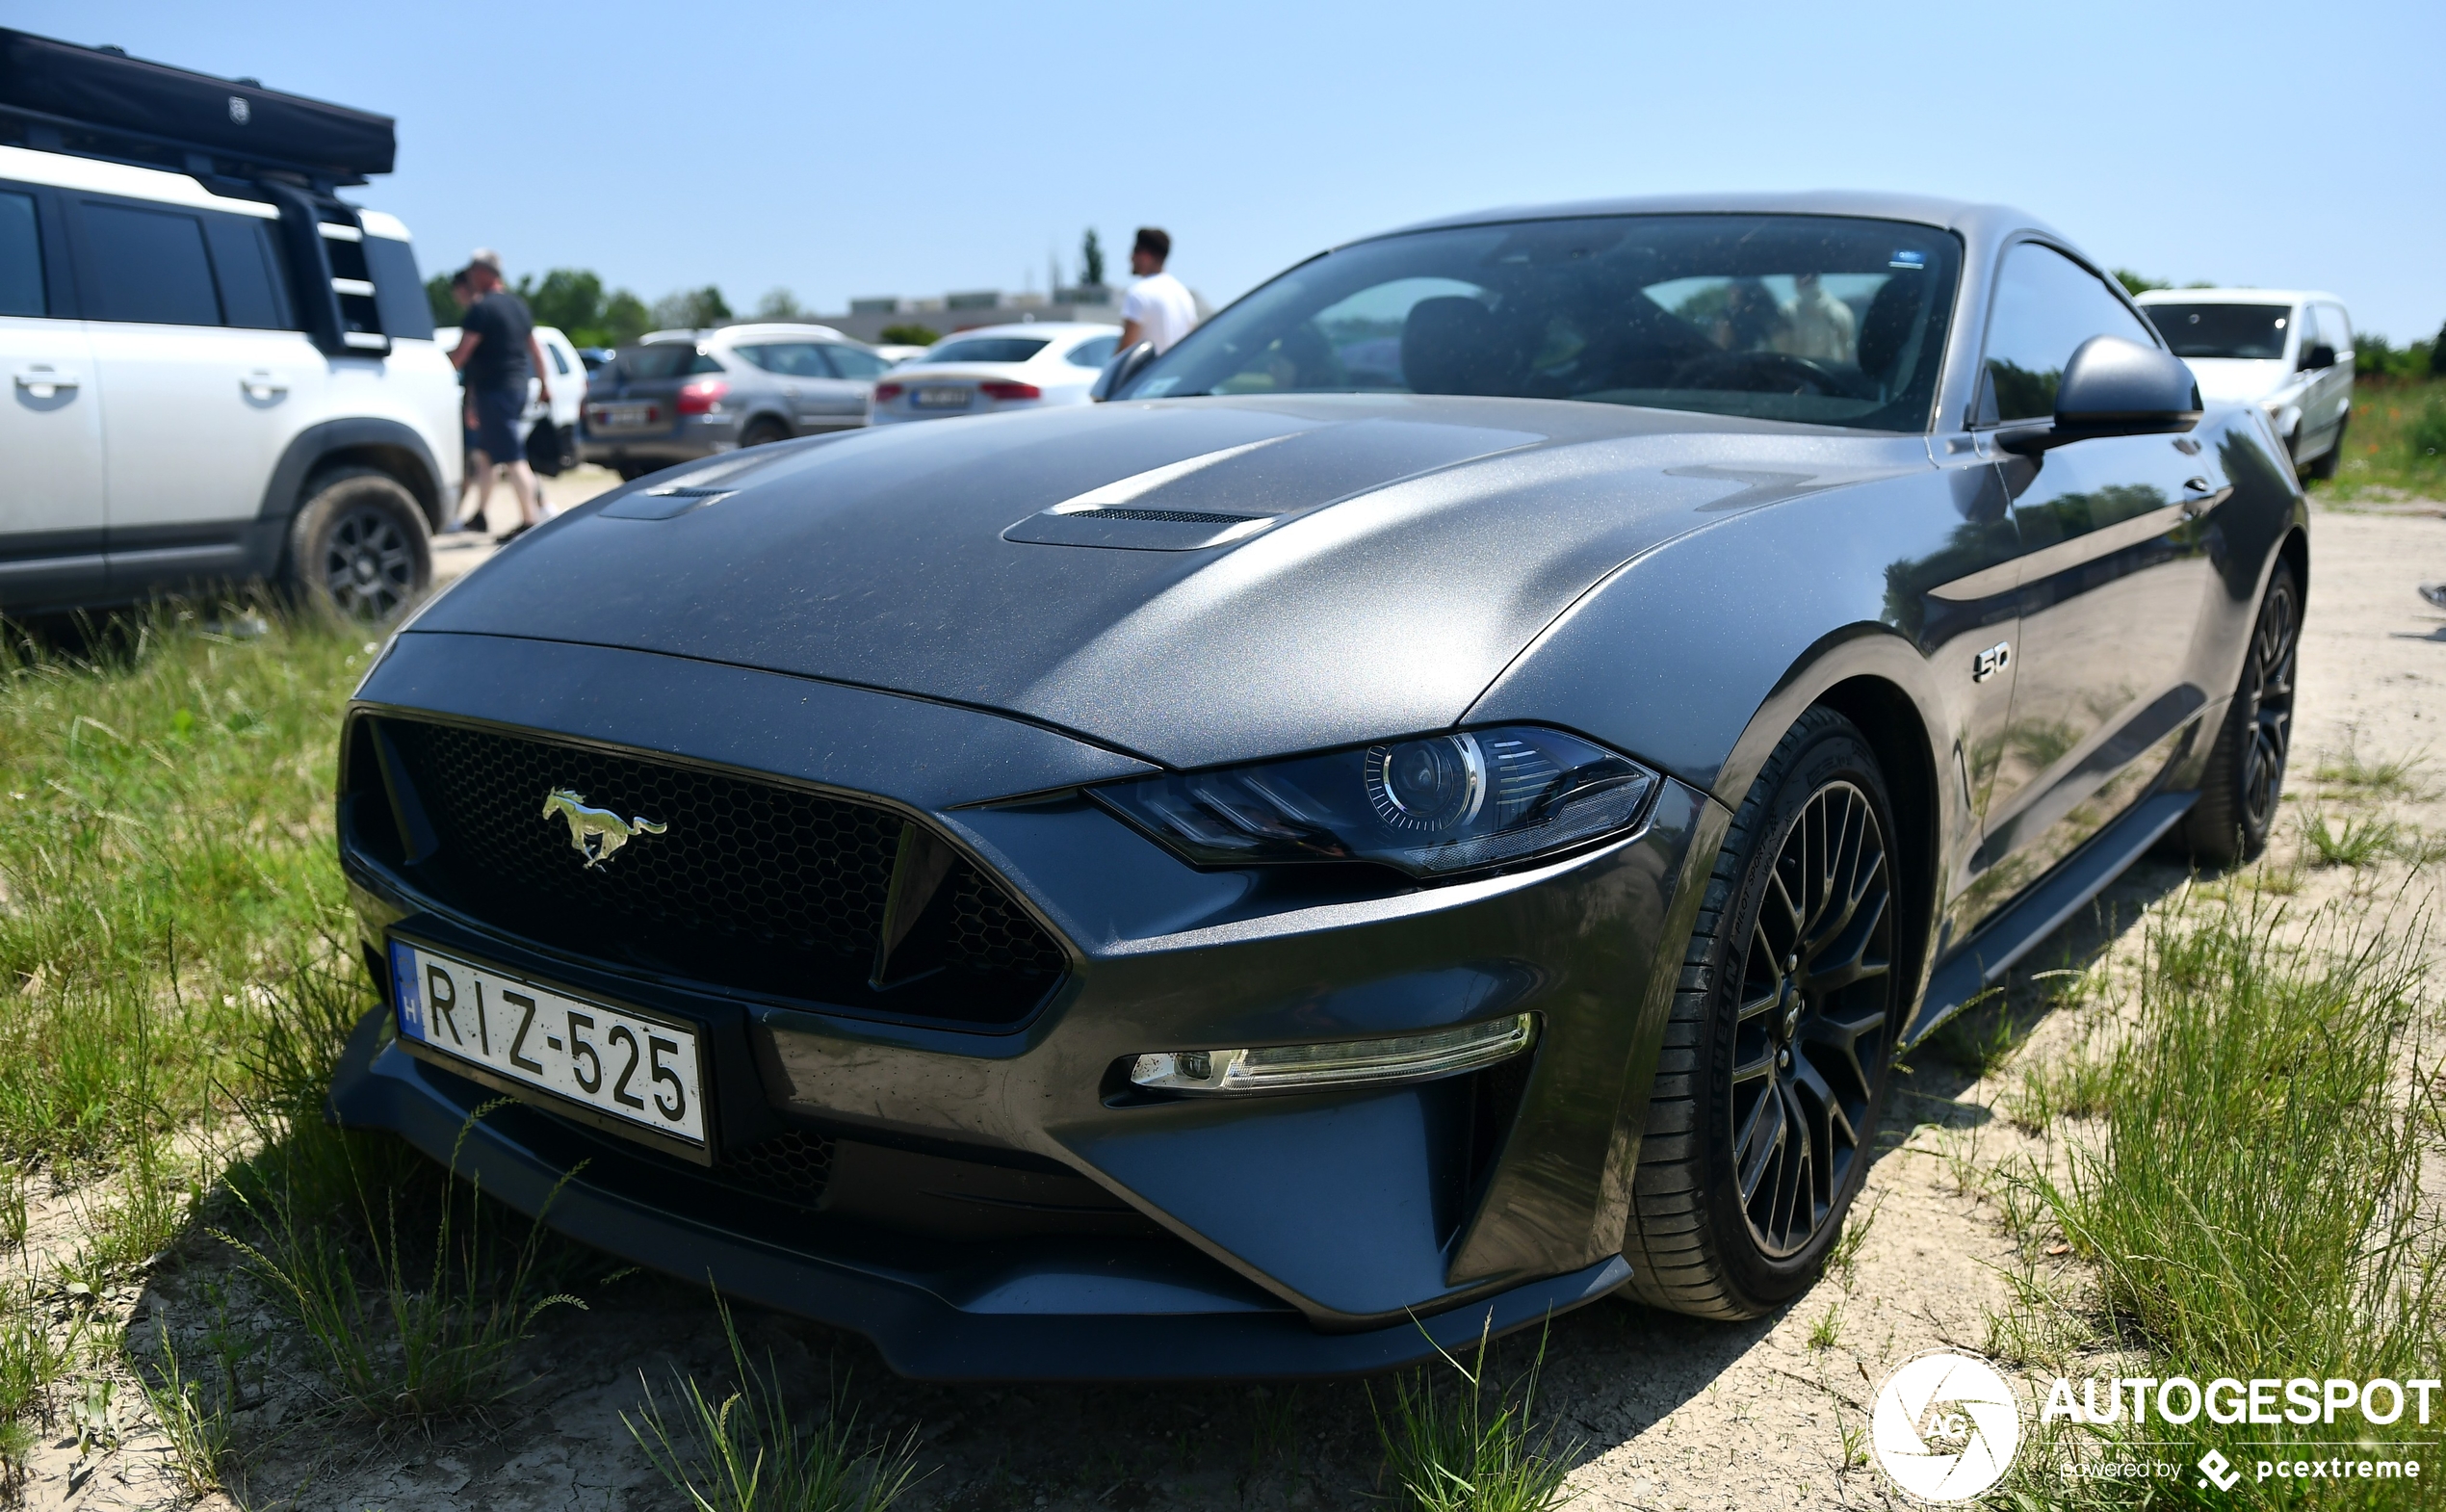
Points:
(99, 102)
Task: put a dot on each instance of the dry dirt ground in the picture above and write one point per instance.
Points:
(1658, 1411)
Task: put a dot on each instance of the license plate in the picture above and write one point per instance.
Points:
(938, 398)
(626, 417)
(638, 1070)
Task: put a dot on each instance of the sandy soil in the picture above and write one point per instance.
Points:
(1662, 1412)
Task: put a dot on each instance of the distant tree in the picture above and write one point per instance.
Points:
(2139, 283)
(908, 333)
(780, 305)
(690, 309)
(625, 317)
(1091, 259)
(446, 310)
(568, 298)
(2436, 354)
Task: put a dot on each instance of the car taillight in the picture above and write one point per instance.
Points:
(885, 393)
(1001, 390)
(702, 397)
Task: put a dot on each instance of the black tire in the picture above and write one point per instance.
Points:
(359, 547)
(630, 472)
(763, 433)
(2333, 457)
(1786, 1016)
(2245, 781)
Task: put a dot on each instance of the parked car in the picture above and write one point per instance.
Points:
(1328, 853)
(898, 354)
(681, 395)
(997, 367)
(2289, 352)
(569, 373)
(596, 356)
(276, 407)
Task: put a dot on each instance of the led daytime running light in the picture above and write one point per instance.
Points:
(1350, 1062)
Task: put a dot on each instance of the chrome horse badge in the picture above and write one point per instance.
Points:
(596, 834)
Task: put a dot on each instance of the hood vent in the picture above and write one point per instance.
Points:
(1124, 528)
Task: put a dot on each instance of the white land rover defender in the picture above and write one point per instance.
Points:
(218, 370)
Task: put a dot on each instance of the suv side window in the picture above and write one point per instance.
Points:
(151, 265)
(851, 363)
(249, 290)
(2336, 328)
(2046, 306)
(20, 257)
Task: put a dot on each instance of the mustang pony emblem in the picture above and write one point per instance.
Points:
(595, 834)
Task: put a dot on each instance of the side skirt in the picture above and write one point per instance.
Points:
(1983, 960)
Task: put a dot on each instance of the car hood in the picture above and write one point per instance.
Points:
(2237, 381)
(1193, 581)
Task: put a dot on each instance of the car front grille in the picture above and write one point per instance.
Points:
(751, 885)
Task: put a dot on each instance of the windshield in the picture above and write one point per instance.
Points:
(2252, 331)
(665, 361)
(1832, 321)
(987, 349)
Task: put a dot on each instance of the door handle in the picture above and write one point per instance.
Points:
(262, 386)
(42, 382)
(2198, 504)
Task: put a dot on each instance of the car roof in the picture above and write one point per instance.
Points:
(1954, 215)
(1051, 330)
(2237, 296)
(759, 330)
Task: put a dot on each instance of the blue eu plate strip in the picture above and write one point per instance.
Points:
(407, 991)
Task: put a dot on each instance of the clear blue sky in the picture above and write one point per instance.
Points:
(910, 148)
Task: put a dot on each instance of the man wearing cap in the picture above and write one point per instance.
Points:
(497, 352)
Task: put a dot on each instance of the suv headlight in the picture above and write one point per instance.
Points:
(1432, 806)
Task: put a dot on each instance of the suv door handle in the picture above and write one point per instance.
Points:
(262, 386)
(42, 382)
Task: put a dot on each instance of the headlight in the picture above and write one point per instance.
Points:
(1431, 806)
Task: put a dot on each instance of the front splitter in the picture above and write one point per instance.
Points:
(1065, 1314)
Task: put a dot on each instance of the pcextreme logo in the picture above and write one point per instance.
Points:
(1945, 1426)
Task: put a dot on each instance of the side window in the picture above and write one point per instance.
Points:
(399, 293)
(150, 266)
(758, 357)
(248, 290)
(560, 363)
(1094, 354)
(2338, 328)
(851, 363)
(2046, 306)
(20, 257)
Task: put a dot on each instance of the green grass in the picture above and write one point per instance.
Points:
(741, 1449)
(2396, 444)
(1456, 1440)
(2251, 1203)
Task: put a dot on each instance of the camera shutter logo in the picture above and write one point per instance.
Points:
(1945, 1426)
(240, 112)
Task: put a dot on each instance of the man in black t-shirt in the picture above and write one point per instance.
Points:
(496, 354)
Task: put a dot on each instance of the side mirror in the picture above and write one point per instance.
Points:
(1117, 373)
(2115, 387)
(2318, 358)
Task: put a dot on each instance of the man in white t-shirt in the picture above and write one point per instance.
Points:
(1158, 307)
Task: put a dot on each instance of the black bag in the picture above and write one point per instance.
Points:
(551, 451)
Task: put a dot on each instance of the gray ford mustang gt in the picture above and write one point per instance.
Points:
(1441, 800)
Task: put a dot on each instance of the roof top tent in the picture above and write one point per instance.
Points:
(237, 137)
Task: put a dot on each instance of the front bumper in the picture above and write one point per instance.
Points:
(1283, 1235)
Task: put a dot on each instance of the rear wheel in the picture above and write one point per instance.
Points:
(2238, 799)
(1774, 1068)
(764, 433)
(359, 547)
(2333, 457)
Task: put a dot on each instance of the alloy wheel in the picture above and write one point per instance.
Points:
(1813, 1029)
(2269, 687)
(367, 564)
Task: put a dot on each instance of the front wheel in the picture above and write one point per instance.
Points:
(359, 547)
(2333, 457)
(2238, 798)
(1774, 1068)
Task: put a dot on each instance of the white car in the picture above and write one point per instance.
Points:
(210, 384)
(2288, 351)
(994, 368)
(568, 371)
